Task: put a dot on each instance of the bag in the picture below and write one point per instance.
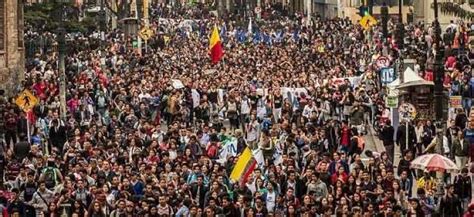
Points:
(212, 151)
(266, 124)
(42, 198)
(50, 177)
(101, 101)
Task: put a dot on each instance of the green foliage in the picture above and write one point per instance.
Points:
(46, 16)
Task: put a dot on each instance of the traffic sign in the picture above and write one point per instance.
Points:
(382, 62)
(258, 10)
(367, 21)
(26, 100)
(146, 33)
(387, 75)
(407, 111)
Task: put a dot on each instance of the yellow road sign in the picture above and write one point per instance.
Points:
(26, 100)
(367, 21)
(146, 33)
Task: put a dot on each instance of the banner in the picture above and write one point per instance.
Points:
(455, 102)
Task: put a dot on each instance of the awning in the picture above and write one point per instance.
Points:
(412, 79)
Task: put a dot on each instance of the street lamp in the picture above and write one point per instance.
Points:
(438, 68)
(439, 95)
(103, 26)
(400, 40)
(61, 57)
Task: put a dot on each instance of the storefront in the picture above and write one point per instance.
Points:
(414, 90)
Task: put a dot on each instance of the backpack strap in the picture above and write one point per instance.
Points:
(42, 198)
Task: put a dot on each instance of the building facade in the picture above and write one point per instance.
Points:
(423, 10)
(11, 45)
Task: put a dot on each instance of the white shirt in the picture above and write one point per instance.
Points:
(270, 200)
(244, 107)
(308, 109)
(252, 134)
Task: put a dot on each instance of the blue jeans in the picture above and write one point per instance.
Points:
(466, 104)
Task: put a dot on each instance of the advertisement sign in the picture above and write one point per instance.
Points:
(392, 101)
(455, 102)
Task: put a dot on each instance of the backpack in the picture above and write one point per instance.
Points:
(50, 177)
(101, 101)
(455, 88)
(212, 150)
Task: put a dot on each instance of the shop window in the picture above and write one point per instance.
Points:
(2, 25)
(20, 22)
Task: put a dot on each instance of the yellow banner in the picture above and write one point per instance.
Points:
(241, 164)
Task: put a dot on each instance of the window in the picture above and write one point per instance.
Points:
(2, 24)
(20, 24)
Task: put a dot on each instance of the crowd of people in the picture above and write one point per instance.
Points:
(145, 131)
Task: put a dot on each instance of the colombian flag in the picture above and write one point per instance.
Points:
(244, 167)
(215, 46)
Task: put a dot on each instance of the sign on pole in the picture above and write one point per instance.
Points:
(382, 62)
(387, 75)
(26, 100)
(146, 33)
(407, 111)
(392, 101)
(367, 21)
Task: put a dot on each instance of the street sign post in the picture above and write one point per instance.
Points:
(26, 101)
(407, 112)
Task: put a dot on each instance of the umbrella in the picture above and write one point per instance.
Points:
(434, 162)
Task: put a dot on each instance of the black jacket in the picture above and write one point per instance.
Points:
(401, 135)
(387, 135)
(462, 186)
(450, 206)
(202, 193)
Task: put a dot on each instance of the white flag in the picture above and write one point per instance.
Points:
(196, 98)
(277, 158)
(249, 30)
(258, 155)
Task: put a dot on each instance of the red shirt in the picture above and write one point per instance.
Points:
(345, 136)
(337, 176)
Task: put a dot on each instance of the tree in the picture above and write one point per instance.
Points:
(122, 9)
(46, 16)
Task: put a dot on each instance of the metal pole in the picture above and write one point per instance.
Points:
(61, 66)
(400, 40)
(309, 11)
(407, 130)
(439, 93)
(259, 5)
(400, 13)
(146, 20)
(102, 34)
(137, 16)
